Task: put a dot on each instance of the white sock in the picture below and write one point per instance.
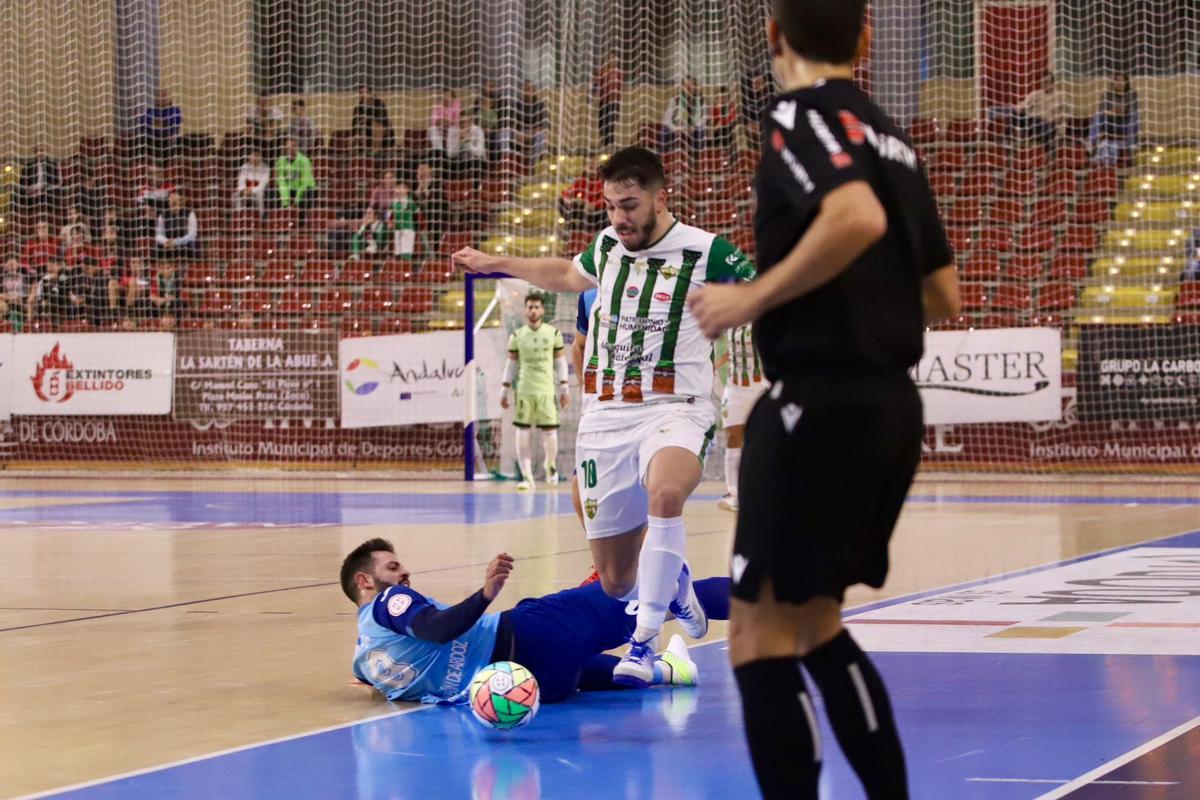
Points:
(550, 445)
(659, 565)
(524, 457)
(733, 459)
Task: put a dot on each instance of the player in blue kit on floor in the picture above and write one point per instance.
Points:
(411, 647)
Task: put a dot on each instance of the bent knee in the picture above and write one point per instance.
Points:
(667, 501)
(616, 584)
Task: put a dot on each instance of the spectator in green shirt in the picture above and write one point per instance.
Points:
(294, 178)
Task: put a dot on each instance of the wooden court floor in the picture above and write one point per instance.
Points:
(144, 621)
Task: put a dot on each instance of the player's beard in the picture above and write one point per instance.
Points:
(646, 231)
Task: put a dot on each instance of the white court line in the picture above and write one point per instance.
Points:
(184, 762)
(253, 745)
(1059, 781)
(1120, 761)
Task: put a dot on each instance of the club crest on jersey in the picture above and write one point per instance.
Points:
(399, 604)
(669, 272)
(632, 291)
(589, 508)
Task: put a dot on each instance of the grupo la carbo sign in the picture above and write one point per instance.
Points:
(1139, 373)
(1002, 375)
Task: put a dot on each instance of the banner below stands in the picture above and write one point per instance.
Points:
(161, 441)
(7, 376)
(1001, 375)
(417, 378)
(81, 374)
(1139, 373)
(228, 375)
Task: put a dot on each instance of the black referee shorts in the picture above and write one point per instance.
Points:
(827, 463)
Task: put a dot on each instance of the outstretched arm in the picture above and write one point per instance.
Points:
(555, 274)
(447, 624)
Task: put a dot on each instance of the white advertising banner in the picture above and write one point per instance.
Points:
(6, 376)
(409, 379)
(77, 374)
(1002, 375)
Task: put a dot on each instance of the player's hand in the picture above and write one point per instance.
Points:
(504, 400)
(564, 398)
(718, 307)
(471, 260)
(496, 576)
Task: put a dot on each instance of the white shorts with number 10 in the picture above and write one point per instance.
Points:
(611, 465)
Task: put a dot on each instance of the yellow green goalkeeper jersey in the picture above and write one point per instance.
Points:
(535, 356)
(643, 343)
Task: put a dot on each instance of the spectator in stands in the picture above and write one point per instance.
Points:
(166, 299)
(469, 157)
(384, 193)
(582, 204)
(302, 128)
(178, 231)
(14, 289)
(370, 238)
(608, 86)
(109, 248)
(155, 190)
(161, 124)
(369, 111)
(75, 222)
(431, 203)
(756, 91)
(91, 197)
(265, 118)
(1113, 133)
(253, 179)
(1039, 115)
(443, 120)
(531, 122)
(722, 120)
(294, 180)
(54, 297)
(39, 187)
(100, 290)
(132, 301)
(487, 112)
(77, 249)
(685, 117)
(403, 217)
(40, 250)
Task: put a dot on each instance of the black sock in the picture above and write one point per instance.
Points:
(780, 728)
(861, 715)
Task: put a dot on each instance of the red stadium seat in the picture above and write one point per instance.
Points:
(216, 302)
(963, 130)
(352, 326)
(1055, 297)
(1025, 267)
(357, 272)
(1028, 159)
(949, 157)
(1011, 297)
(965, 211)
(295, 302)
(995, 239)
(1071, 155)
(393, 325)
(981, 267)
(332, 301)
(977, 184)
(1020, 184)
(944, 184)
(974, 296)
(1061, 183)
(1007, 211)
(376, 301)
(241, 273)
(961, 239)
(1102, 182)
(1092, 212)
(255, 302)
(1069, 267)
(1080, 238)
(280, 273)
(1189, 295)
(416, 300)
(924, 130)
(990, 157)
(1035, 238)
(1050, 211)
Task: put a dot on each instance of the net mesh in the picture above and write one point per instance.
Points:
(424, 128)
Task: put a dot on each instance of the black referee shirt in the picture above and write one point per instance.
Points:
(868, 318)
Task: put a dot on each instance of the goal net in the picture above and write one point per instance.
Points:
(228, 222)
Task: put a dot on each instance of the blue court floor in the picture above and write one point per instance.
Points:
(1031, 721)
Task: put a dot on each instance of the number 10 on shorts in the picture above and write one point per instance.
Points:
(587, 472)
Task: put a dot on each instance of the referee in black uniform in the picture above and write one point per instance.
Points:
(853, 262)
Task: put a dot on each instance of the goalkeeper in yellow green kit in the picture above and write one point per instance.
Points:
(537, 362)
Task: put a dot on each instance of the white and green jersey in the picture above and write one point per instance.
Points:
(643, 343)
(745, 369)
(535, 351)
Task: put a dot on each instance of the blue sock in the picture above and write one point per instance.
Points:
(713, 594)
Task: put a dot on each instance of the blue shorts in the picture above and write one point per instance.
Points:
(557, 634)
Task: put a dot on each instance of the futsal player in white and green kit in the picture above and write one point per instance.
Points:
(537, 362)
(648, 416)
